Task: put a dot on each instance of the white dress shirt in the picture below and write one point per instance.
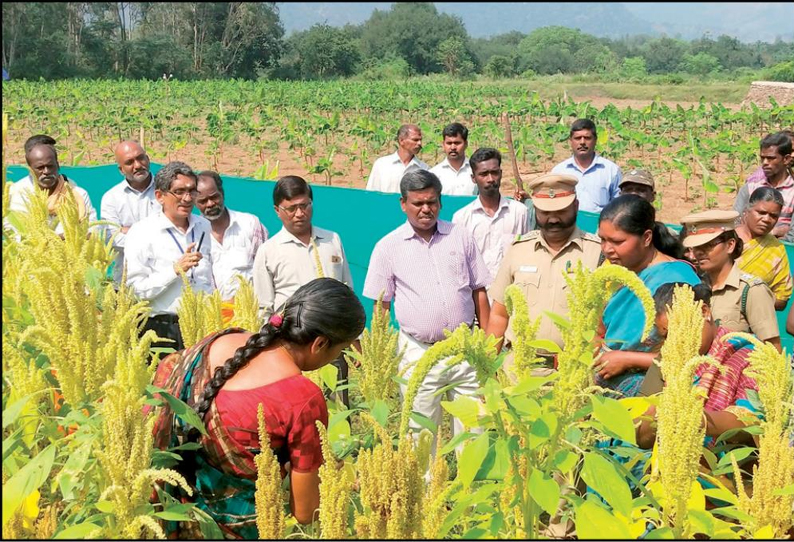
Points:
(20, 191)
(493, 234)
(124, 206)
(154, 245)
(284, 263)
(235, 256)
(455, 183)
(387, 172)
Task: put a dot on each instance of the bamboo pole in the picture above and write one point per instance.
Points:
(511, 149)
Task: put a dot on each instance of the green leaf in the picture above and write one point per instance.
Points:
(105, 506)
(475, 534)
(77, 532)
(424, 421)
(788, 490)
(702, 522)
(526, 406)
(497, 521)
(339, 431)
(596, 522)
(560, 321)
(544, 491)
(545, 344)
(496, 462)
(602, 476)
(740, 454)
(541, 430)
(27, 480)
(531, 383)
(330, 376)
(380, 411)
(472, 457)
(464, 408)
(564, 461)
(12, 412)
(209, 528)
(665, 533)
(169, 515)
(456, 440)
(184, 412)
(615, 417)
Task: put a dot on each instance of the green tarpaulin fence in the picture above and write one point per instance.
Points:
(360, 218)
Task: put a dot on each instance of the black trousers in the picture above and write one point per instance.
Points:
(341, 364)
(167, 327)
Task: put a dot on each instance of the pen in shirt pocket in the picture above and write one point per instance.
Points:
(201, 240)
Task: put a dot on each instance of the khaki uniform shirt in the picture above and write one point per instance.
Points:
(759, 318)
(530, 264)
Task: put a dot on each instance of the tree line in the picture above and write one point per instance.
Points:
(199, 40)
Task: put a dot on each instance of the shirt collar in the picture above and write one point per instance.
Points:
(734, 278)
(442, 227)
(503, 203)
(395, 159)
(597, 161)
(128, 188)
(165, 223)
(575, 239)
(285, 236)
(446, 163)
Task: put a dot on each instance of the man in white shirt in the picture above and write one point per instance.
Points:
(130, 200)
(163, 246)
(492, 219)
(42, 159)
(599, 178)
(455, 172)
(299, 253)
(387, 171)
(236, 236)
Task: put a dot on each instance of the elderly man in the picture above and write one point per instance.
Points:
(129, 201)
(42, 159)
(436, 277)
(493, 220)
(236, 236)
(538, 261)
(455, 172)
(388, 170)
(164, 246)
(599, 178)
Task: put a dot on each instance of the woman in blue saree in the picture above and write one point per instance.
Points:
(631, 237)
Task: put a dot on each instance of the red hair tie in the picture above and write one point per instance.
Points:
(276, 320)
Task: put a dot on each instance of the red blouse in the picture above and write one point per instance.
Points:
(291, 407)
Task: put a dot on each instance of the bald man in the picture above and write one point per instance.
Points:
(129, 201)
(42, 159)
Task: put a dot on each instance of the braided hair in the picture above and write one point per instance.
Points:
(323, 307)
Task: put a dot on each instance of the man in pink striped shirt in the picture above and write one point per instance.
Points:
(434, 273)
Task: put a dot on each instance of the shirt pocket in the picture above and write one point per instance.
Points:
(458, 271)
(237, 259)
(335, 267)
(731, 318)
(603, 195)
(530, 285)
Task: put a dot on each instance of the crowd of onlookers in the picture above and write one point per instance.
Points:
(437, 274)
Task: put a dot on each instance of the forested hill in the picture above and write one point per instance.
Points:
(764, 21)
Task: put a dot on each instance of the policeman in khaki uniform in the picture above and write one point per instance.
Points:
(739, 301)
(538, 261)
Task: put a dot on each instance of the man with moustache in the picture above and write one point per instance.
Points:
(455, 172)
(388, 170)
(42, 159)
(538, 261)
(599, 178)
(433, 272)
(129, 201)
(493, 220)
(236, 236)
(164, 246)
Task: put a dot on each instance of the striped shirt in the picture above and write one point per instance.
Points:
(431, 283)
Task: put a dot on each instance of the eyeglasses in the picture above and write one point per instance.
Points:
(181, 193)
(708, 247)
(292, 209)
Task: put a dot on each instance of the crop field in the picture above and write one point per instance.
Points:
(540, 456)
(700, 152)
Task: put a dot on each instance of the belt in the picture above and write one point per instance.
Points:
(165, 318)
(471, 326)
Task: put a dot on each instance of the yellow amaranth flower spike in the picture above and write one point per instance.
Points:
(269, 506)
(335, 487)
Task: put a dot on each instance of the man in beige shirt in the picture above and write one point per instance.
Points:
(537, 262)
(298, 254)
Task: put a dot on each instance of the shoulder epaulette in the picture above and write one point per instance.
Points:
(751, 280)
(527, 236)
(591, 237)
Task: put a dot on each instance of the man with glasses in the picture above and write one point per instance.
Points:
(163, 247)
(299, 253)
(235, 238)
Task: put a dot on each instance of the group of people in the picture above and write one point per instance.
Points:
(437, 274)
